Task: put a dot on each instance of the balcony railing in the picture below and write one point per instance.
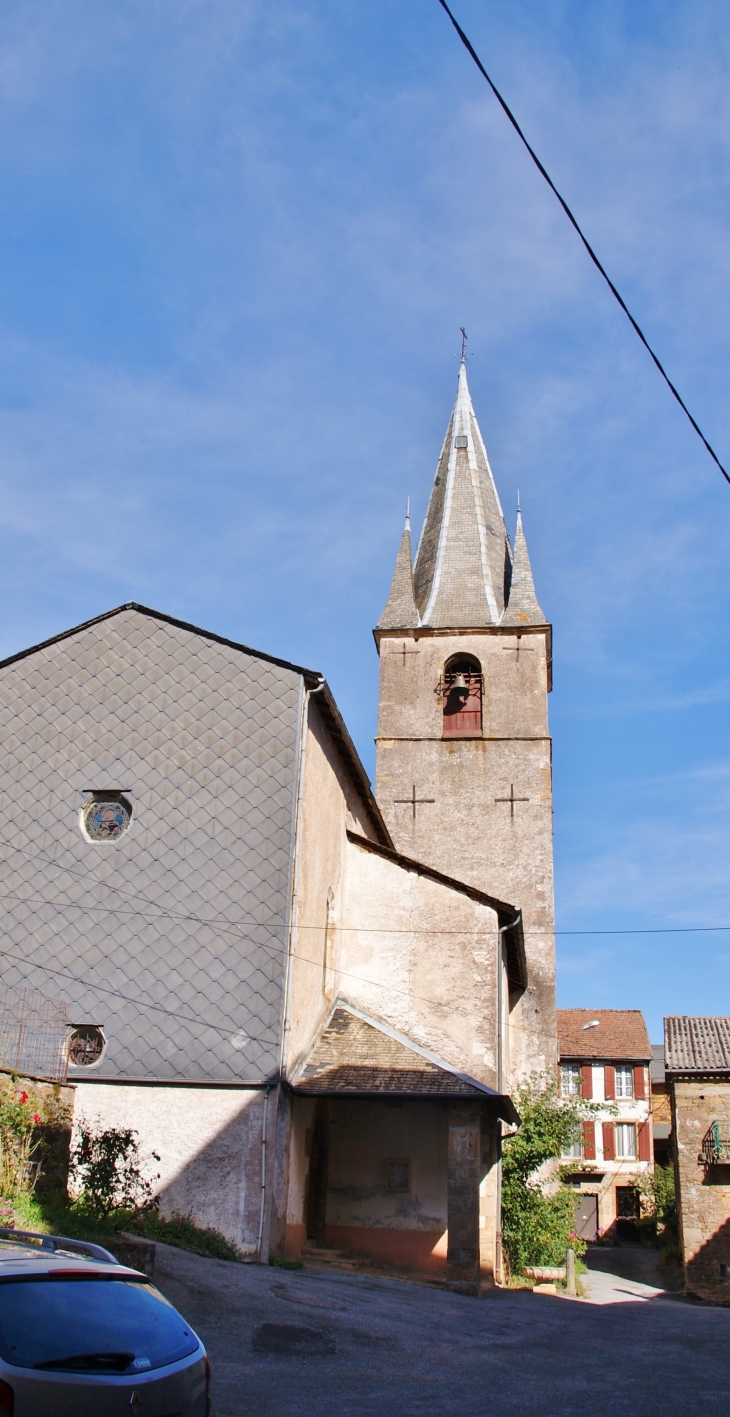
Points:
(715, 1145)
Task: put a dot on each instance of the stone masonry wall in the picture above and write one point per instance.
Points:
(466, 829)
(703, 1191)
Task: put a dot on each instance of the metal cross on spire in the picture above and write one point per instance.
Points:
(463, 343)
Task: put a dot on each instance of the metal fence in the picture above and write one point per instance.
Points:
(34, 1033)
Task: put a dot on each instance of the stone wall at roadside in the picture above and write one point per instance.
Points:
(703, 1191)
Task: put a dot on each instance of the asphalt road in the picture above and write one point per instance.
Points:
(319, 1344)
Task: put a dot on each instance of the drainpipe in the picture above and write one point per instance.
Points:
(500, 1088)
(263, 1176)
(295, 875)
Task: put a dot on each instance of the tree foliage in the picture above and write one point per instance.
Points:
(538, 1224)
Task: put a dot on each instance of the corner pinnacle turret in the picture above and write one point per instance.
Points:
(400, 611)
(523, 607)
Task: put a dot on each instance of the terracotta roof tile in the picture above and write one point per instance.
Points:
(621, 1033)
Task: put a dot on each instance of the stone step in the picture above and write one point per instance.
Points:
(320, 1252)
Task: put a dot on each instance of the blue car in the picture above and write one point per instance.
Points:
(83, 1336)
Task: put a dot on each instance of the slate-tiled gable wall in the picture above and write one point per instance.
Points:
(186, 914)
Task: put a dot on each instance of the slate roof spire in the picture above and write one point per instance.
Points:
(400, 611)
(464, 561)
(523, 607)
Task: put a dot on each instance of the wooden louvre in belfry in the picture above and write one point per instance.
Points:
(462, 698)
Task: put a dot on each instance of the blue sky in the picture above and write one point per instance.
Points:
(237, 241)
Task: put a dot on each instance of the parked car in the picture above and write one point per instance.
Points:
(83, 1336)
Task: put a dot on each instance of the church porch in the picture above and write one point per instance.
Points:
(409, 1182)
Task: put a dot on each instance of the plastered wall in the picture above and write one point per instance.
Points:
(329, 806)
(209, 1143)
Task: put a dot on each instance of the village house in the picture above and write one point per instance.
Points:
(697, 1062)
(605, 1057)
(311, 1001)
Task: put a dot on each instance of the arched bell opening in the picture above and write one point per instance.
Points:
(462, 697)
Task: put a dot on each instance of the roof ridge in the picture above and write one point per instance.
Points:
(169, 620)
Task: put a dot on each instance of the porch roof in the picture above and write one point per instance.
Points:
(358, 1056)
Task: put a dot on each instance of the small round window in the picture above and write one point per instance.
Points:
(106, 816)
(86, 1046)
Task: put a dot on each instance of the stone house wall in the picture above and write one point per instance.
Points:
(703, 1191)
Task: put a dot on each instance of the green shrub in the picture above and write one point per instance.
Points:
(538, 1227)
(23, 1113)
(107, 1169)
(181, 1230)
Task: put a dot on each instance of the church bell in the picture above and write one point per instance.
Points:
(460, 685)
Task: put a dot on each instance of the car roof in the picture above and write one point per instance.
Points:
(18, 1257)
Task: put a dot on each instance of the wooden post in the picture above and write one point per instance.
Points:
(570, 1273)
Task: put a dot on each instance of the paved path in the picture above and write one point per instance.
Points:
(626, 1273)
(377, 1347)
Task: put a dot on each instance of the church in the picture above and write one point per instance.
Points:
(313, 1002)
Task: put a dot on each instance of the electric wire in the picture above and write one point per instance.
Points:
(510, 115)
(229, 926)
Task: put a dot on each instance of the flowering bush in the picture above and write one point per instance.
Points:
(21, 1113)
(108, 1171)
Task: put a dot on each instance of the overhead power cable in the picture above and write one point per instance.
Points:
(472, 51)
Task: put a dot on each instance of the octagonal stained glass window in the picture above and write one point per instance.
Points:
(106, 816)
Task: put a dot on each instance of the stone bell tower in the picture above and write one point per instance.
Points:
(463, 749)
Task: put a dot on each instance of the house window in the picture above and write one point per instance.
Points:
(624, 1082)
(625, 1141)
(574, 1152)
(462, 697)
(399, 1176)
(627, 1203)
(570, 1080)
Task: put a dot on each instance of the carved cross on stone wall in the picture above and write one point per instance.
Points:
(511, 799)
(413, 801)
(515, 649)
(404, 651)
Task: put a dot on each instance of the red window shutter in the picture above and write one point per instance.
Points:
(609, 1083)
(589, 1141)
(587, 1085)
(644, 1142)
(609, 1148)
(639, 1089)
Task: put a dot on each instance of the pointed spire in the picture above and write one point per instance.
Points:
(522, 606)
(464, 559)
(400, 612)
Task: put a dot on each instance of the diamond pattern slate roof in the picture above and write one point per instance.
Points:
(696, 1045)
(354, 1055)
(173, 937)
(621, 1033)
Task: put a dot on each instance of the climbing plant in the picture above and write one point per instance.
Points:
(538, 1212)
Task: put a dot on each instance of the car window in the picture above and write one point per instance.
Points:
(90, 1325)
